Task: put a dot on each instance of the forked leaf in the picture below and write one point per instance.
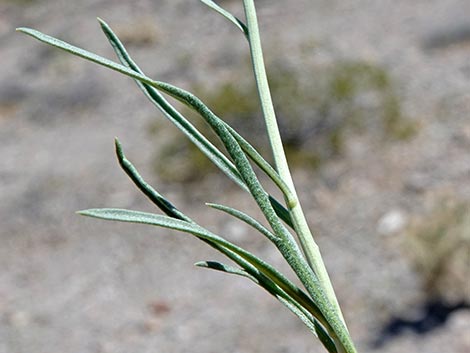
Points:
(241, 26)
(191, 132)
(216, 156)
(181, 123)
(199, 140)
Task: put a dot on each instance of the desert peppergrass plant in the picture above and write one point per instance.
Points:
(316, 304)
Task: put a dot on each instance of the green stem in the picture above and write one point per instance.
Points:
(310, 248)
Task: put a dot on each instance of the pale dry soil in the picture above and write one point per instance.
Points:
(75, 285)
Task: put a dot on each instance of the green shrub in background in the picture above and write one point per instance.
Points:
(437, 244)
(318, 107)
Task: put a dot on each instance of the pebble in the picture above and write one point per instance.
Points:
(392, 222)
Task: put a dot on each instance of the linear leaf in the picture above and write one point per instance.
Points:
(167, 222)
(245, 218)
(218, 266)
(240, 254)
(162, 203)
(227, 15)
(108, 63)
(283, 297)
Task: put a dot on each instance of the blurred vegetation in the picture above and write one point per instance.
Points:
(18, 2)
(317, 108)
(438, 245)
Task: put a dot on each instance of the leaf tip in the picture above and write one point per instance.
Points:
(203, 264)
(83, 212)
(118, 147)
(23, 30)
(102, 22)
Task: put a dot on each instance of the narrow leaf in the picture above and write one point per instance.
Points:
(245, 218)
(227, 15)
(192, 228)
(162, 203)
(283, 297)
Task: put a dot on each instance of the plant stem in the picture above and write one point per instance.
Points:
(309, 247)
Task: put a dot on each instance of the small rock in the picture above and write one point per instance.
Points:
(392, 222)
(236, 231)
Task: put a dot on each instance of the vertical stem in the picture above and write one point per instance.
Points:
(310, 248)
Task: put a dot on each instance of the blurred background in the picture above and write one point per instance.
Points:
(373, 99)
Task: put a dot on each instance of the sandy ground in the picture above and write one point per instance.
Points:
(72, 285)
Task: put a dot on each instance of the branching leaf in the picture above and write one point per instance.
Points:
(199, 140)
(169, 111)
(181, 123)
